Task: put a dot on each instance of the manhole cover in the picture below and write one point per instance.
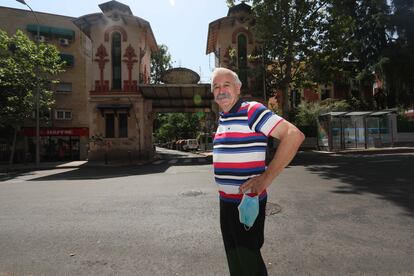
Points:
(192, 193)
(272, 208)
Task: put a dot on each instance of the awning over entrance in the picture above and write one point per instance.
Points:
(179, 97)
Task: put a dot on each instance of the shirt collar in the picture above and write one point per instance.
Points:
(236, 106)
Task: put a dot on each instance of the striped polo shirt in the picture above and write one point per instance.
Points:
(240, 146)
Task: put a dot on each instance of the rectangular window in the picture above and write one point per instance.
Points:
(109, 125)
(123, 125)
(63, 115)
(64, 87)
(68, 59)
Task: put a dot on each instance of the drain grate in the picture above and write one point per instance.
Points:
(272, 209)
(192, 193)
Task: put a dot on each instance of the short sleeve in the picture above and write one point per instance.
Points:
(261, 119)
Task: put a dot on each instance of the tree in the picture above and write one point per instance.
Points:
(175, 126)
(160, 62)
(20, 58)
(396, 68)
(289, 33)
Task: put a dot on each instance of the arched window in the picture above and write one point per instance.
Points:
(242, 58)
(116, 61)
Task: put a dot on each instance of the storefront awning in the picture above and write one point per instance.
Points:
(178, 97)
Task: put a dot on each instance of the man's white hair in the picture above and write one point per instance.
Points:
(224, 71)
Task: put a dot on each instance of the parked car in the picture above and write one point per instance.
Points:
(190, 144)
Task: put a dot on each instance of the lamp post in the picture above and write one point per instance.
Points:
(37, 85)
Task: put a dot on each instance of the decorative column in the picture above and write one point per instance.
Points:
(101, 85)
(130, 55)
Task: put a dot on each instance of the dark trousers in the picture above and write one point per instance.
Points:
(243, 247)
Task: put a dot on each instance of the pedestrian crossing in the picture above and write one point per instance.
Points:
(182, 161)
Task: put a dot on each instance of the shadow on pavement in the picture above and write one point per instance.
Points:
(104, 172)
(391, 177)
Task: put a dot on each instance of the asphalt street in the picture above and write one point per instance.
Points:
(327, 215)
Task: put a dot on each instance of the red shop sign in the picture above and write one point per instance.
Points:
(74, 131)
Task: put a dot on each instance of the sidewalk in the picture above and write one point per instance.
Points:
(5, 168)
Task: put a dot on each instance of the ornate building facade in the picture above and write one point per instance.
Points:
(99, 110)
(235, 47)
(120, 119)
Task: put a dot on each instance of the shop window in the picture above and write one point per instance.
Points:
(122, 125)
(242, 58)
(116, 61)
(64, 87)
(109, 125)
(63, 115)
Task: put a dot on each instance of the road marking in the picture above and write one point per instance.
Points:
(158, 162)
(173, 161)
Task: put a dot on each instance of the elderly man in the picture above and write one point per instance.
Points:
(240, 172)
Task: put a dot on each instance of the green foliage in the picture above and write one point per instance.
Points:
(174, 126)
(290, 34)
(367, 37)
(403, 122)
(160, 62)
(23, 65)
(307, 113)
(230, 3)
(405, 126)
(337, 41)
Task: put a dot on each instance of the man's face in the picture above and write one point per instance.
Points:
(226, 92)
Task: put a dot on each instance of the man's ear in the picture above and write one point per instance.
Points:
(238, 88)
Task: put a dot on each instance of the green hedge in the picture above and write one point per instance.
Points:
(405, 126)
(309, 131)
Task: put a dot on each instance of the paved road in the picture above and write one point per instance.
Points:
(340, 215)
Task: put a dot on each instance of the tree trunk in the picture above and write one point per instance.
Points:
(13, 149)
(285, 102)
(285, 89)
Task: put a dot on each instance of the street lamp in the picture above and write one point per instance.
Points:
(37, 85)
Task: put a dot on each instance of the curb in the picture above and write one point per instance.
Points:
(367, 151)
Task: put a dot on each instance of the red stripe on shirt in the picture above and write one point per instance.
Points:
(253, 109)
(237, 135)
(240, 196)
(242, 165)
(275, 126)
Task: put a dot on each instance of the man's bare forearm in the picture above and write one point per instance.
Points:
(287, 149)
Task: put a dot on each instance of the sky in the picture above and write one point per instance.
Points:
(182, 25)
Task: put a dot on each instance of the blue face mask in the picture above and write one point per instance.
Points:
(248, 210)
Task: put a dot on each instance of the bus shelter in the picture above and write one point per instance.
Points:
(356, 130)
